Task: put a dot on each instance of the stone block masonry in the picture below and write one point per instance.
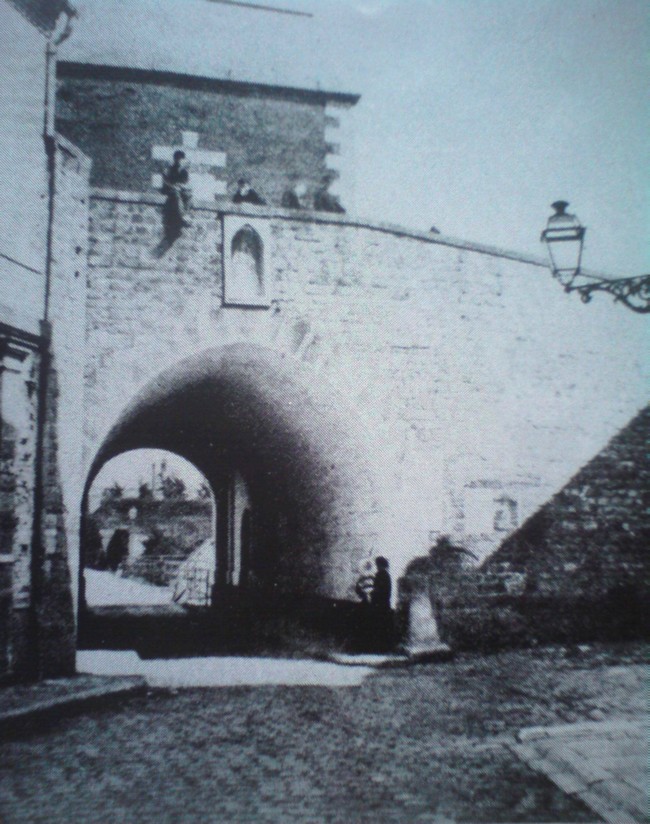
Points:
(448, 366)
(40, 520)
(63, 430)
(593, 536)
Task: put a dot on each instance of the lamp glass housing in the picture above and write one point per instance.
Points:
(564, 239)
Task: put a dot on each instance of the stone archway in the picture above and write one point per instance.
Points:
(244, 411)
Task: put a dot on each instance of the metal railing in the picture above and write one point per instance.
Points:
(193, 586)
(191, 583)
(160, 571)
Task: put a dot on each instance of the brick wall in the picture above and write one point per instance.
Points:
(445, 367)
(593, 535)
(268, 134)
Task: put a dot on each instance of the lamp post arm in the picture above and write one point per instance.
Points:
(632, 292)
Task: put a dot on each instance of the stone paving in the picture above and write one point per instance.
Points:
(431, 743)
(175, 673)
(604, 764)
(107, 589)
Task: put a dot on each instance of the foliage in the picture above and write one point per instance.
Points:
(158, 544)
(442, 570)
(112, 493)
(447, 558)
(531, 619)
(172, 489)
(204, 493)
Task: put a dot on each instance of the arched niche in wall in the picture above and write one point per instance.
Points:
(245, 262)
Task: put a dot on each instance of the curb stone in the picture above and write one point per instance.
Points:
(31, 713)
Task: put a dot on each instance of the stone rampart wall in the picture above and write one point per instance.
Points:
(472, 377)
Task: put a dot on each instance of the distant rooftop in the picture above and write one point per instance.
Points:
(267, 42)
(43, 13)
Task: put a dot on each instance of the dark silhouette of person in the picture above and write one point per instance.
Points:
(375, 618)
(382, 614)
(324, 200)
(246, 194)
(381, 585)
(292, 197)
(176, 185)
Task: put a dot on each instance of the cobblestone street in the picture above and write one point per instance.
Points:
(427, 743)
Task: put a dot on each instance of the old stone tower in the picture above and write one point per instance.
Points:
(348, 388)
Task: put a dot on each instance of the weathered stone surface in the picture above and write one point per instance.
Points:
(46, 599)
(449, 371)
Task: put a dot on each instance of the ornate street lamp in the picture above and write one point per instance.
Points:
(564, 237)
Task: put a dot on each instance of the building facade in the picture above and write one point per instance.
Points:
(43, 229)
(347, 388)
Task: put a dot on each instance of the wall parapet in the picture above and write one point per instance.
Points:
(308, 216)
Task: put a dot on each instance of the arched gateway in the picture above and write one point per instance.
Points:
(244, 411)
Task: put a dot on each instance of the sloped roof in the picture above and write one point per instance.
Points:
(42, 13)
(218, 40)
(596, 524)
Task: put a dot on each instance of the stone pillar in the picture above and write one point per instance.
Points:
(423, 641)
(223, 500)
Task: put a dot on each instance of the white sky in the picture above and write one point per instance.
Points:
(132, 468)
(475, 114)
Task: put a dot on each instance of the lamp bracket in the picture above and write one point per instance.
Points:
(632, 292)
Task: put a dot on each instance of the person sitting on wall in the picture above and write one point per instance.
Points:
(324, 200)
(246, 194)
(292, 197)
(176, 185)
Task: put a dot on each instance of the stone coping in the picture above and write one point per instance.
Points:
(24, 705)
(580, 730)
(604, 764)
(225, 207)
(216, 82)
(75, 151)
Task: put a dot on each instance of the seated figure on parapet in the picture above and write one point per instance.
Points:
(246, 194)
(176, 185)
(292, 197)
(324, 200)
